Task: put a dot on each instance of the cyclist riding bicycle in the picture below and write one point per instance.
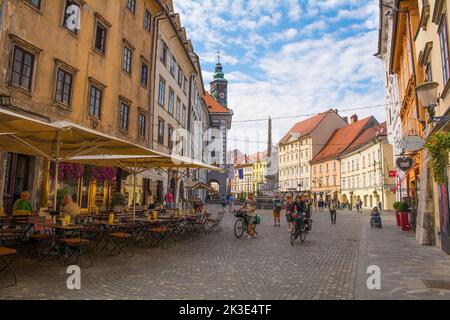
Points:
(299, 210)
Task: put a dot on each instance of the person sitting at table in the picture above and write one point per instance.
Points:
(23, 204)
(71, 208)
(154, 205)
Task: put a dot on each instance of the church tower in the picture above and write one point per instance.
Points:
(219, 86)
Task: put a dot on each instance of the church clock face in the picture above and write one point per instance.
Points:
(222, 95)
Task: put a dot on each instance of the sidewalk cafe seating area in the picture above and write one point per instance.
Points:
(93, 236)
(50, 235)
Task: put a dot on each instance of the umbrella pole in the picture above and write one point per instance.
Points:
(134, 194)
(58, 145)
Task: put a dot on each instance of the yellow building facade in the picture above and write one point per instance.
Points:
(85, 62)
(259, 175)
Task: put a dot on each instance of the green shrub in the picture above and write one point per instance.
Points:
(401, 207)
(118, 200)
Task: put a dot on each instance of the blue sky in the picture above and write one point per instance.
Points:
(288, 57)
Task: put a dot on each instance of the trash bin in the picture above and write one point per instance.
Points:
(404, 219)
(397, 216)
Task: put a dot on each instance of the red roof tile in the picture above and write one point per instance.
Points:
(367, 136)
(342, 138)
(213, 105)
(307, 126)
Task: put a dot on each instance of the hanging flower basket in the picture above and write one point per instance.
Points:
(70, 173)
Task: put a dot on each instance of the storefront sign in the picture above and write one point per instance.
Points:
(392, 173)
(404, 164)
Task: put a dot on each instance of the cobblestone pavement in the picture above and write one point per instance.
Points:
(331, 264)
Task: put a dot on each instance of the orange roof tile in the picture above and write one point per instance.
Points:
(342, 138)
(307, 126)
(213, 105)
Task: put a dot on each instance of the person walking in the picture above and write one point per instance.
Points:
(169, 199)
(288, 205)
(231, 203)
(277, 204)
(333, 208)
(223, 201)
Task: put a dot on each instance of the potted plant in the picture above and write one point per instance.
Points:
(118, 200)
(61, 194)
(402, 212)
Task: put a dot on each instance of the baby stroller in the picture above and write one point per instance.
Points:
(375, 219)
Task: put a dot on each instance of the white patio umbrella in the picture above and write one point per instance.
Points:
(59, 141)
(137, 165)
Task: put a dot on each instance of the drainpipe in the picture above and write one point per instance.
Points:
(154, 47)
(2, 12)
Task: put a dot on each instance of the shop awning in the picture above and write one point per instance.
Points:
(332, 192)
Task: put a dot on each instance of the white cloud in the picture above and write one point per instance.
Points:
(288, 57)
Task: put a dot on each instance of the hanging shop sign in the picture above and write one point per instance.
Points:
(392, 173)
(405, 163)
(412, 143)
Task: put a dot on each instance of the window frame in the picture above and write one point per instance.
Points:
(34, 6)
(144, 63)
(122, 103)
(11, 71)
(170, 131)
(444, 49)
(148, 15)
(66, 73)
(74, 2)
(102, 24)
(162, 98)
(101, 89)
(127, 48)
(171, 102)
(161, 133)
(142, 127)
(133, 9)
(164, 53)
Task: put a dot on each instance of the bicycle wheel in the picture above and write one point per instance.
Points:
(294, 235)
(302, 232)
(239, 228)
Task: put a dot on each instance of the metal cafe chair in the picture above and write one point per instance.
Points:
(215, 224)
(7, 257)
(40, 236)
(78, 246)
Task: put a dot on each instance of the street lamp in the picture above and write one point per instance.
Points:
(428, 96)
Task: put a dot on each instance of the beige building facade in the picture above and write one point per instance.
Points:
(365, 171)
(300, 145)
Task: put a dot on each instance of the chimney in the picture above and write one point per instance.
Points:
(345, 119)
(353, 118)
